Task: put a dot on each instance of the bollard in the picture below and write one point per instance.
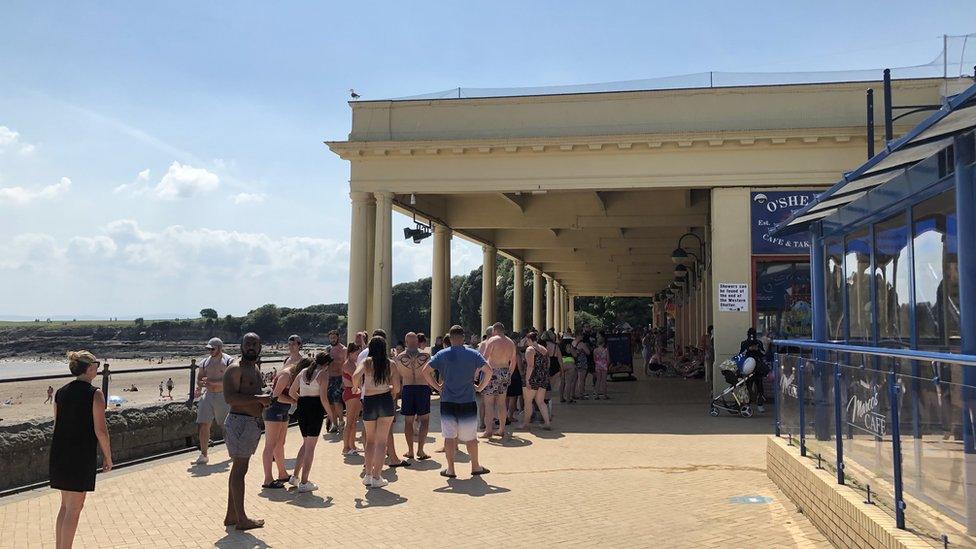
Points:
(106, 374)
(868, 501)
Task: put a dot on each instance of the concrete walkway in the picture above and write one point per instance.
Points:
(646, 469)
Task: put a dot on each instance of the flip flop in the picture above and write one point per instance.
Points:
(401, 464)
(445, 474)
(483, 471)
(423, 456)
(273, 485)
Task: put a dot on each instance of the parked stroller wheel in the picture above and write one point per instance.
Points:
(713, 411)
(745, 410)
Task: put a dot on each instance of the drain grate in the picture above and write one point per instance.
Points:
(751, 500)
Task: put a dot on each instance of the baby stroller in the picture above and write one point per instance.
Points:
(736, 371)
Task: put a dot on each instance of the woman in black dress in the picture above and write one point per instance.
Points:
(79, 426)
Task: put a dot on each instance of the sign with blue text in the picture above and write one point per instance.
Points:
(771, 208)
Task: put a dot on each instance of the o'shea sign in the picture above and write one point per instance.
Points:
(771, 208)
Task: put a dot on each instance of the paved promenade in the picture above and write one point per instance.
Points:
(646, 469)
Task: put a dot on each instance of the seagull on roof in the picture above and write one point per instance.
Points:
(353, 94)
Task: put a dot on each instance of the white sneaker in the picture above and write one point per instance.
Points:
(367, 480)
(378, 482)
(202, 460)
(293, 480)
(307, 487)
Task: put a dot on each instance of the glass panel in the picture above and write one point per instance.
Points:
(789, 411)
(835, 290)
(866, 428)
(857, 270)
(933, 461)
(783, 299)
(936, 273)
(820, 433)
(892, 281)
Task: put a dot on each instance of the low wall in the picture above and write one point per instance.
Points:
(135, 433)
(837, 511)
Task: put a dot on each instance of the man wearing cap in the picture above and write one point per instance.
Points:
(212, 405)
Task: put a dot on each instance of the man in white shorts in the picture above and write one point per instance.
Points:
(212, 405)
(459, 368)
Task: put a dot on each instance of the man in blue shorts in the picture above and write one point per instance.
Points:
(417, 380)
(459, 368)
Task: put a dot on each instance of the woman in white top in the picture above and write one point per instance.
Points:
(310, 389)
(378, 381)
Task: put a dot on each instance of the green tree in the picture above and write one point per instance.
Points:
(139, 322)
(264, 321)
(209, 314)
(411, 308)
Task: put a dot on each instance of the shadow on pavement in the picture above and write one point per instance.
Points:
(240, 539)
(424, 465)
(474, 487)
(310, 501)
(512, 442)
(210, 469)
(379, 497)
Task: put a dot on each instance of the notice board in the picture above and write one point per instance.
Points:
(733, 297)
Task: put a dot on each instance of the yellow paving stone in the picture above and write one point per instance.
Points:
(646, 469)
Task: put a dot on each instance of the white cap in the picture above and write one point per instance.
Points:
(215, 343)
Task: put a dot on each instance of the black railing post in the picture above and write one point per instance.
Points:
(106, 374)
(838, 415)
(777, 392)
(889, 131)
(193, 381)
(801, 391)
(870, 122)
(896, 450)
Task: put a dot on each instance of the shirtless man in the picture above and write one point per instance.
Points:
(500, 352)
(243, 388)
(334, 409)
(415, 394)
(212, 406)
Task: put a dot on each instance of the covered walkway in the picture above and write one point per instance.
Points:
(648, 468)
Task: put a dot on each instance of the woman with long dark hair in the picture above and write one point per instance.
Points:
(310, 390)
(377, 381)
(79, 428)
(537, 379)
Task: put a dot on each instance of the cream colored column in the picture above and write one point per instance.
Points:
(438, 282)
(572, 312)
(383, 264)
(518, 288)
(537, 314)
(731, 263)
(550, 305)
(356, 315)
(557, 298)
(448, 237)
(371, 321)
(488, 256)
(563, 308)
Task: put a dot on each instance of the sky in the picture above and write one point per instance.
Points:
(159, 158)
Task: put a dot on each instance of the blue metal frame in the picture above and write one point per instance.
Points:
(950, 105)
(965, 177)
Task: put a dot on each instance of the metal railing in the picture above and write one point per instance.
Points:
(855, 409)
(106, 374)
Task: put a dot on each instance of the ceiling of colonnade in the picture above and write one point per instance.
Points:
(607, 242)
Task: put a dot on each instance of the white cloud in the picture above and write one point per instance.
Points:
(185, 181)
(20, 196)
(249, 198)
(138, 186)
(32, 251)
(10, 139)
(143, 175)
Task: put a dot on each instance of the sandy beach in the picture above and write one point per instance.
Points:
(29, 397)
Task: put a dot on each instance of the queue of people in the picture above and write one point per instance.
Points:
(492, 385)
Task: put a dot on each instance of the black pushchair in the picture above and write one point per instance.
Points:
(735, 399)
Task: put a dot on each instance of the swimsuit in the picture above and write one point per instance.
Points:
(335, 389)
(540, 375)
(347, 393)
(500, 379)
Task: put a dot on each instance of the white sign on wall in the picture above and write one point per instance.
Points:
(733, 297)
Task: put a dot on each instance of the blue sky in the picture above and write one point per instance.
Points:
(157, 158)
